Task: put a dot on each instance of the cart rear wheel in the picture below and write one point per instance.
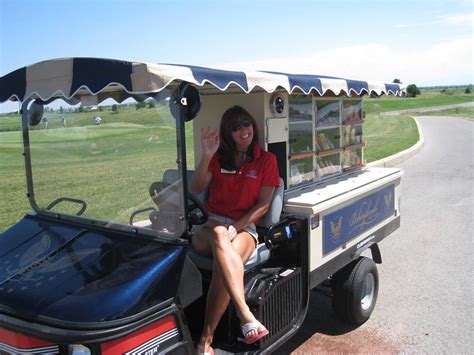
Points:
(355, 289)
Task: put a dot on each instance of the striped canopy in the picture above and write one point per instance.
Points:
(73, 78)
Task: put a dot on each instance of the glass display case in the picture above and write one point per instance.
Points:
(325, 137)
(352, 134)
(301, 143)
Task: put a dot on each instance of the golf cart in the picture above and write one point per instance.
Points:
(104, 265)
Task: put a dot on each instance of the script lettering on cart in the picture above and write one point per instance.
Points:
(365, 215)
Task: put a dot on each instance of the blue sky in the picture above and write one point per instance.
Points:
(427, 42)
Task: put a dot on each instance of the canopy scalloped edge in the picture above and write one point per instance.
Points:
(71, 78)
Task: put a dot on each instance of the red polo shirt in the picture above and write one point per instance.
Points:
(233, 193)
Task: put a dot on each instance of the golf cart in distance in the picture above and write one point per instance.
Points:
(103, 264)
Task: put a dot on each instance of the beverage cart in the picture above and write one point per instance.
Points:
(103, 264)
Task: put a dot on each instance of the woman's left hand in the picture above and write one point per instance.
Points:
(232, 232)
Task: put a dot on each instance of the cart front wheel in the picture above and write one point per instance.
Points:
(355, 289)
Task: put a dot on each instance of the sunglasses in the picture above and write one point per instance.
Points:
(242, 123)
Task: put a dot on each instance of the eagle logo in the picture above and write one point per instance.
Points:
(336, 229)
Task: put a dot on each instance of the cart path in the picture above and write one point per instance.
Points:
(427, 109)
(425, 302)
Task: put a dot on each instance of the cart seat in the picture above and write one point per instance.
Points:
(272, 216)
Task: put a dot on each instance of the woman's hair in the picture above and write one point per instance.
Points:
(227, 148)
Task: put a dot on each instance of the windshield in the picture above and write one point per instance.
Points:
(115, 163)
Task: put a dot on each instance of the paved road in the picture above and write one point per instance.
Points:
(425, 302)
(427, 109)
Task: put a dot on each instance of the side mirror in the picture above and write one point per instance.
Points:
(35, 113)
(187, 100)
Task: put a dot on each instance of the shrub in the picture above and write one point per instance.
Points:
(140, 105)
(412, 90)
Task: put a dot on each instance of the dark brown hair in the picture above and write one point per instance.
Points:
(227, 149)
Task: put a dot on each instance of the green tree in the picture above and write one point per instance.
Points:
(468, 90)
(412, 90)
(397, 81)
(115, 108)
(80, 109)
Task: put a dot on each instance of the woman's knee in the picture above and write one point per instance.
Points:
(220, 236)
(245, 245)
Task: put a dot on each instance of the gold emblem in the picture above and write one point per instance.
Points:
(336, 229)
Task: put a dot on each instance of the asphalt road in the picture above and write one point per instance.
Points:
(425, 303)
(427, 109)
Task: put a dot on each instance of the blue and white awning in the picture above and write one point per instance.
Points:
(72, 78)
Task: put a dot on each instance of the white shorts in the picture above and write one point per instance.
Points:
(227, 221)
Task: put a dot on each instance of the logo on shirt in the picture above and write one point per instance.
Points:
(252, 174)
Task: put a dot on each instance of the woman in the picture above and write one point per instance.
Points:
(241, 179)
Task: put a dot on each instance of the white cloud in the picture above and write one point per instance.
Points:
(459, 20)
(446, 63)
(450, 20)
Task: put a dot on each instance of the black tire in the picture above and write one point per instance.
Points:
(355, 289)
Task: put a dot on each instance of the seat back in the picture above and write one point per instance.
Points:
(272, 216)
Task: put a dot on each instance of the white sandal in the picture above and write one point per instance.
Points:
(254, 326)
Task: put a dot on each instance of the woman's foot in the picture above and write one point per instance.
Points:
(247, 317)
(253, 332)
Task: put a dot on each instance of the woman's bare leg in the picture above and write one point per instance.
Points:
(231, 266)
(218, 298)
(216, 304)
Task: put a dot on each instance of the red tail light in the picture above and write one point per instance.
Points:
(14, 343)
(150, 339)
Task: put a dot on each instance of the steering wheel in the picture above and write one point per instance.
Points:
(197, 213)
(196, 217)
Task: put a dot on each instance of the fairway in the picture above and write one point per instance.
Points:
(111, 165)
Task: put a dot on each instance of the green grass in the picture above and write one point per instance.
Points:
(387, 135)
(428, 98)
(464, 112)
(10, 123)
(111, 165)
